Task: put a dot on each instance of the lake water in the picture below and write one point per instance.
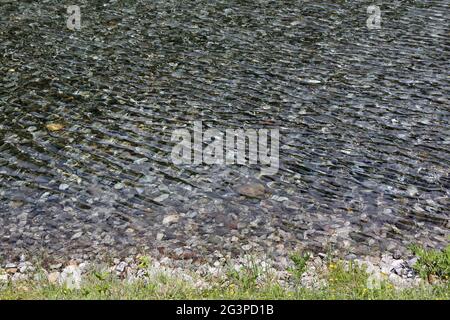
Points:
(363, 118)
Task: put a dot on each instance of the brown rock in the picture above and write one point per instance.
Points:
(432, 279)
(54, 126)
(252, 190)
(11, 270)
(73, 263)
(188, 254)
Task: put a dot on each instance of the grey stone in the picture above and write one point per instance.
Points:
(412, 262)
(397, 254)
(76, 235)
(161, 198)
(159, 236)
(55, 266)
(121, 266)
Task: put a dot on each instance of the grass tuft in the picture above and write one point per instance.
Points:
(432, 263)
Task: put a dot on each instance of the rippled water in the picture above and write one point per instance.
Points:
(363, 116)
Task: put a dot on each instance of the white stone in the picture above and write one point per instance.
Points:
(121, 266)
(161, 198)
(19, 277)
(56, 266)
(63, 187)
(83, 266)
(118, 186)
(398, 281)
(76, 235)
(412, 191)
(71, 277)
(173, 218)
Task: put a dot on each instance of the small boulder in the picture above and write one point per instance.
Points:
(173, 218)
(53, 277)
(252, 190)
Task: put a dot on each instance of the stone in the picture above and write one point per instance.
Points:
(398, 281)
(397, 265)
(76, 235)
(73, 262)
(16, 204)
(26, 269)
(159, 236)
(63, 187)
(54, 126)
(11, 270)
(192, 214)
(188, 254)
(173, 218)
(121, 266)
(83, 266)
(412, 262)
(412, 190)
(55, 266)
(53, 277)
(432, 279)
(71, 277)
(161, 198)
(118, 186)
(252, 190)
(3, 277)
(19, 277)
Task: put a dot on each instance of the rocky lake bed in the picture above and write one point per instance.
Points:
(86, 119)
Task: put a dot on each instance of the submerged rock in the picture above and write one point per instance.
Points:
(173, 218)
(54, 126)
(252, 190)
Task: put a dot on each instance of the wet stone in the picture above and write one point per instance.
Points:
(173, 218)
(252, 190)
(63, 187)
(87, 128)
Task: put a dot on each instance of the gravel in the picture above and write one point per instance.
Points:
(399, 273)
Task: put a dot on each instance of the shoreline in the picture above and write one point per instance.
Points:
(73, 274)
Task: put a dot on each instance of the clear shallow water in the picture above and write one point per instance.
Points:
(363, 116)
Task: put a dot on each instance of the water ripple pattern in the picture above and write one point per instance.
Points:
(363, 117)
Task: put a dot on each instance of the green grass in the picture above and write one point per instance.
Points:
(432, 263)
(300, 261)
(344, 281)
